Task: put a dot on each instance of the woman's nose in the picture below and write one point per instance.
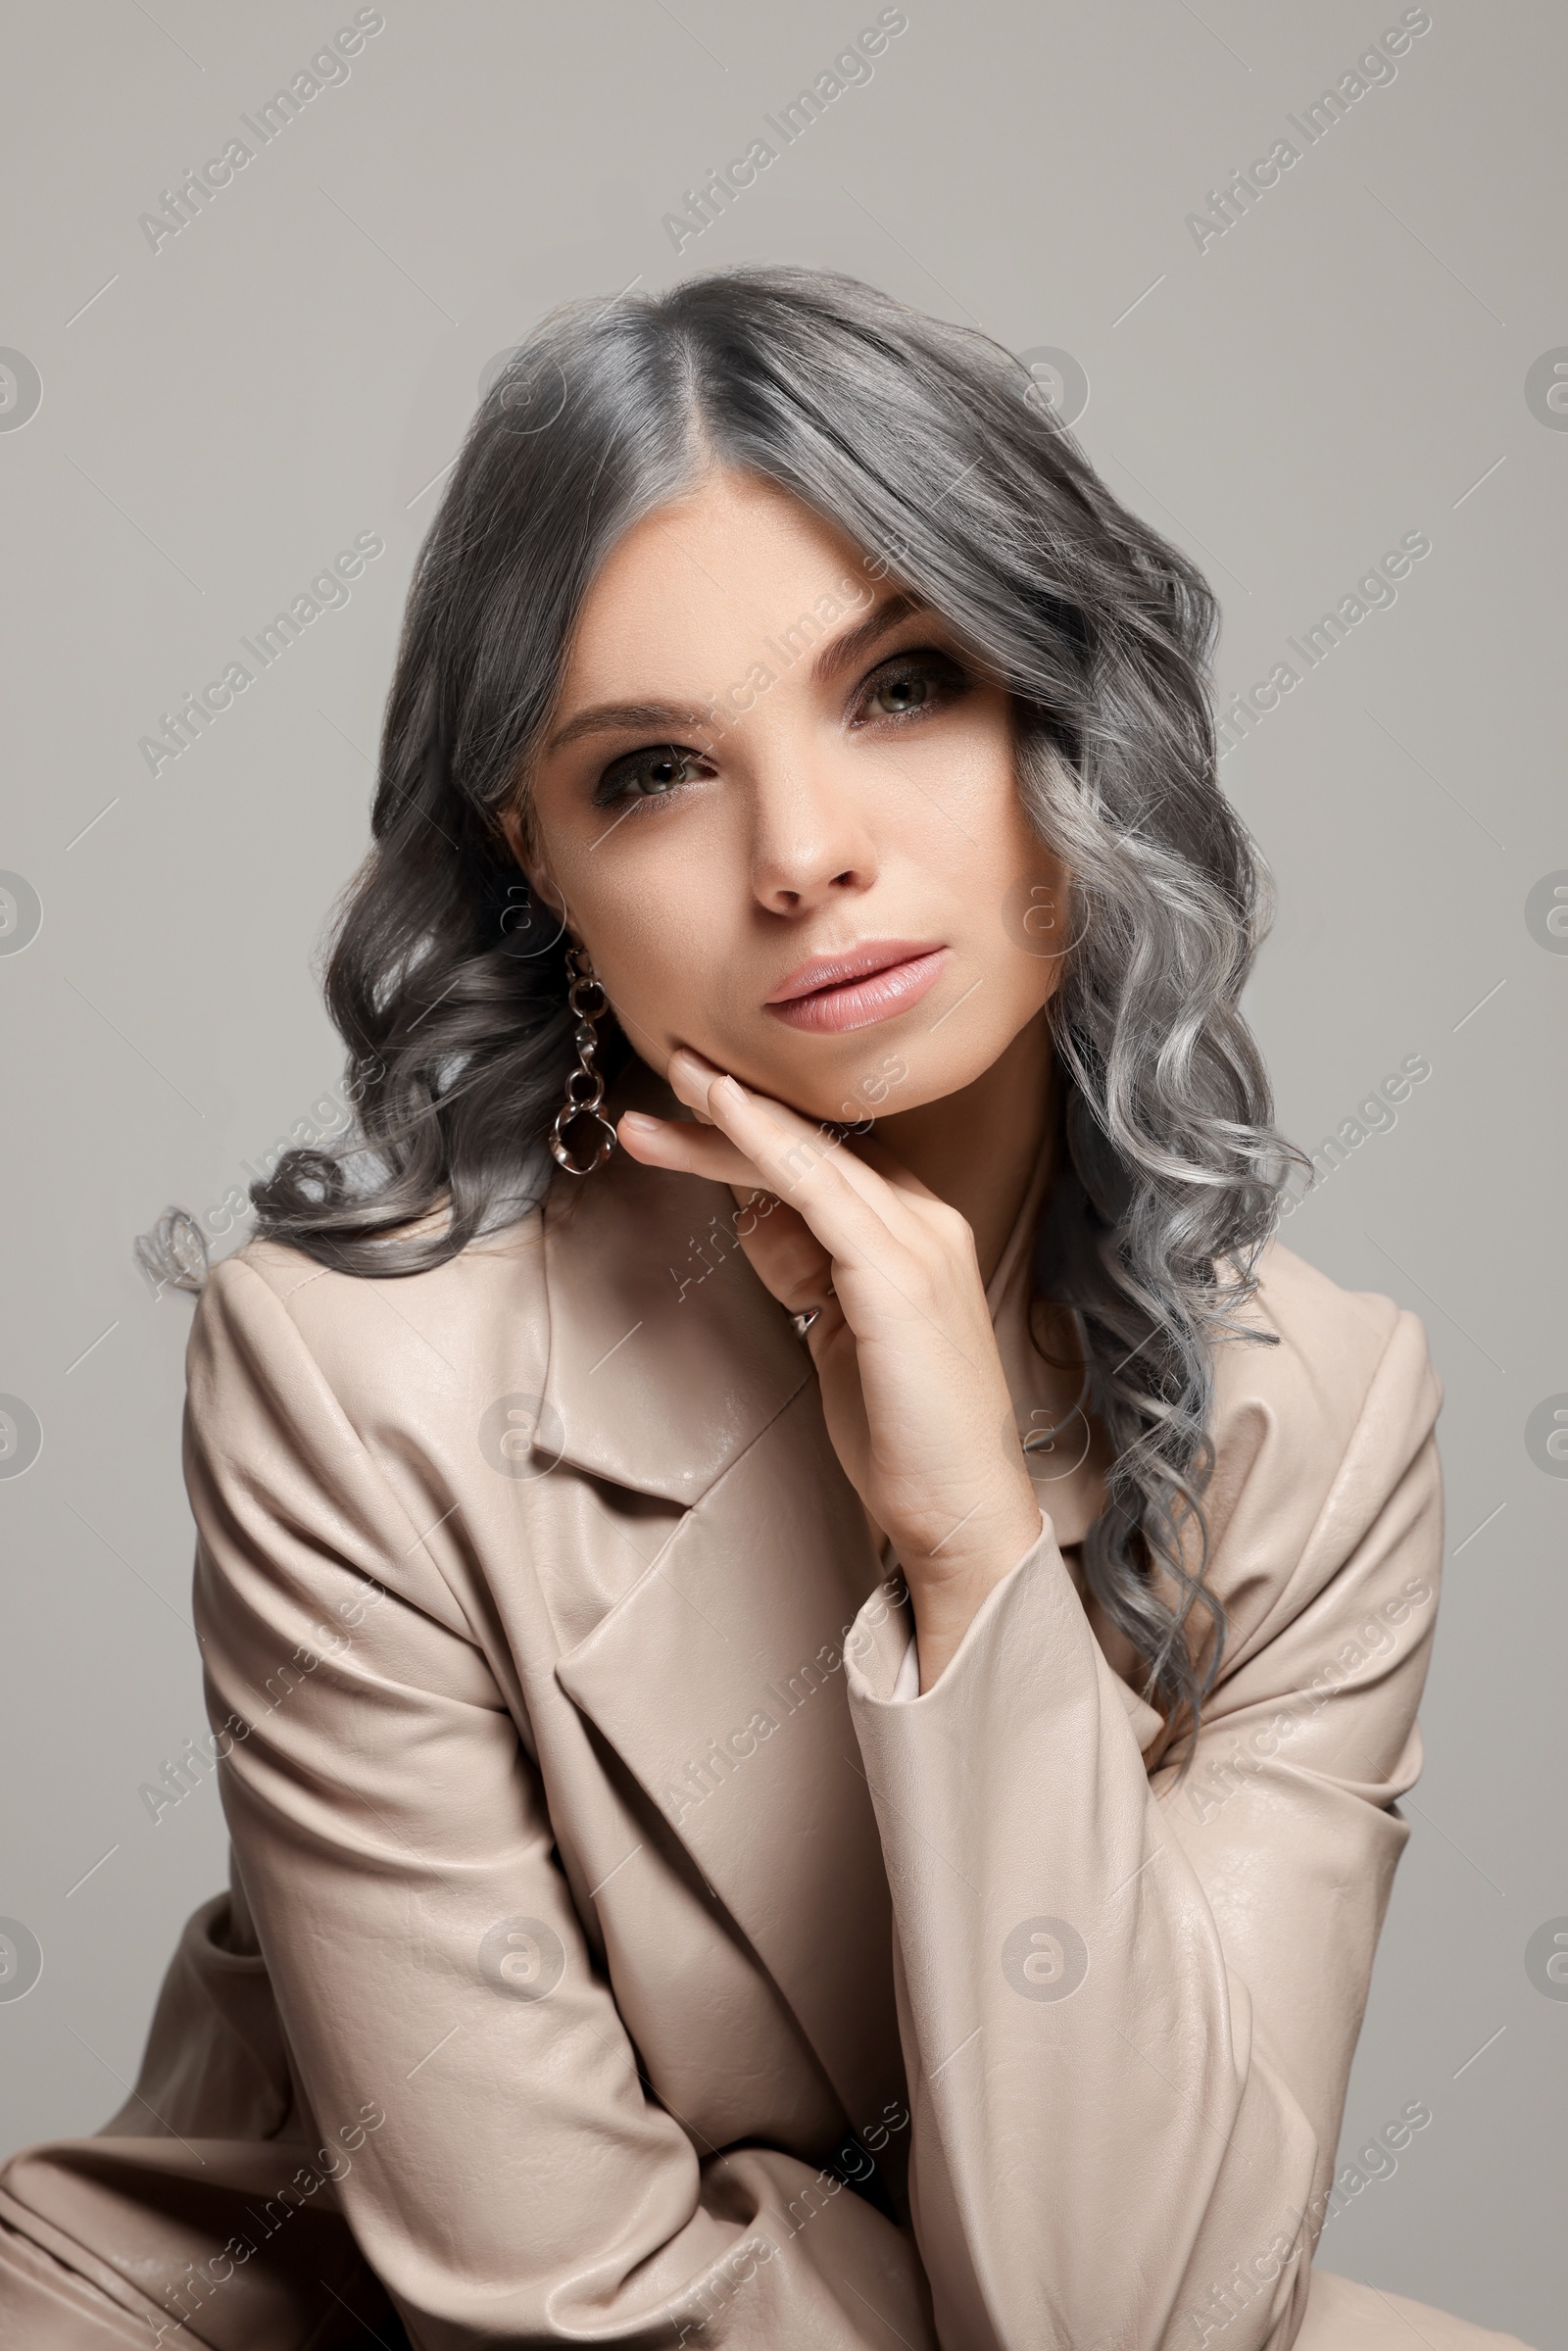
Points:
(811, 839)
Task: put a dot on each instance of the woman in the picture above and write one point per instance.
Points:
(811, 1712)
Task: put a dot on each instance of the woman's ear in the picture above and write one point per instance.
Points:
(542, 884)
(531, 863)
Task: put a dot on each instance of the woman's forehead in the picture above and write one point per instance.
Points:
(723, 568)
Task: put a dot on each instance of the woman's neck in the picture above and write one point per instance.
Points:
(978, 1149)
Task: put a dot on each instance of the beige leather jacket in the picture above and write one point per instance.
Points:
(613, 1957)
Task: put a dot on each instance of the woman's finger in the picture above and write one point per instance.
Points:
(876, 1154)
(855, 1212)
(704, 1150)
(787, 1130)
(783, 1252)
(688, 1149)
(780, 1247)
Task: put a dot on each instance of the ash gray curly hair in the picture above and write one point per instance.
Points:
(923, 442)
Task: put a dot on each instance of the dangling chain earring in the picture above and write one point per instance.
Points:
(585, 1087)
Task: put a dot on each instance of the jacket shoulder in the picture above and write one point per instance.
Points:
(1323, 1349)
(1313, 1425)
(390, 1348)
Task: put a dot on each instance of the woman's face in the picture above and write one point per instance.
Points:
(780, 810)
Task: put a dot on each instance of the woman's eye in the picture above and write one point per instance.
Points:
(650, 775)
(910, 683)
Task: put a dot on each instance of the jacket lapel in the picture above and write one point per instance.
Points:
(719, 1677)
(719, 1681)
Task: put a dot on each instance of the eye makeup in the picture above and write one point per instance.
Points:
(928, 679)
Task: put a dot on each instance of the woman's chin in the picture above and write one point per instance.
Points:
(845, 1079)
(874, 1083)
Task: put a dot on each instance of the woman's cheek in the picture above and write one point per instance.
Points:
(647, 953)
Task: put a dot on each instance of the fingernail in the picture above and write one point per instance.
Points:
(640, 1123)
(730, 1087)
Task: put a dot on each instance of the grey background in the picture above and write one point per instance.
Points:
(219, 417)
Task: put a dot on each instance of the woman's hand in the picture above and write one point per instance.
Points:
(913, 1392)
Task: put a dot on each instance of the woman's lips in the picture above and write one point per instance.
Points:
(858, 1002)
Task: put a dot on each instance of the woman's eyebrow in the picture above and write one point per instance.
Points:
(842, 652)
(839, 654)
(622, 718)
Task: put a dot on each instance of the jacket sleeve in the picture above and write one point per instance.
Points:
(1129, 2002)
(503, 2168)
